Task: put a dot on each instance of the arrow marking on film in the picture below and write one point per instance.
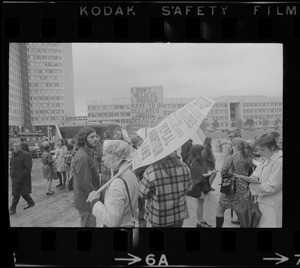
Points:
(134, 260)
(280, 260)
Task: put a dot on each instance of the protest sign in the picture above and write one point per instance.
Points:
(143, 132)
(146, 107)
(169, 135)
(198, 137)
(172, 132)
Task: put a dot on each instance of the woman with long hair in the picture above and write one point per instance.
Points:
(210, 160)
(201, 186)
(239, 163)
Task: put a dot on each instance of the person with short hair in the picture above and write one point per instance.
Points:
(86, 176)
(120, 207)
(20, 173)
(48, 171)
(269, 173)
(164, 186)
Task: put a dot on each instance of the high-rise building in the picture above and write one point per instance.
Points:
(41, 89)
(51, 82)
(19, 96)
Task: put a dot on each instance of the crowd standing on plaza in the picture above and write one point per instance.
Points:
(154, 195)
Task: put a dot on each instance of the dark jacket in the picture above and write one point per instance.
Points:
(20, 173)
(86, 178)
(25, 146)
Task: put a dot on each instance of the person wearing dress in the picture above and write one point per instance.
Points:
(201, 187)
(239, 162)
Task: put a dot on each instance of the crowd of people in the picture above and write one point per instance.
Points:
(154, 195)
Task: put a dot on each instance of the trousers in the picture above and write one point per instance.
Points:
(87, 219)
(16, 199)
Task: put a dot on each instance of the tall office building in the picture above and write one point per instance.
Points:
(41, 89)
(50, 82)
(19, 96)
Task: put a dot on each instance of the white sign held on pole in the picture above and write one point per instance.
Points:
(172, 132)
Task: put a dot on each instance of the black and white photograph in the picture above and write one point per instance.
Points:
(147, 135)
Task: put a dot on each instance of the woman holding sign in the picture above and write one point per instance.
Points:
(120, 207)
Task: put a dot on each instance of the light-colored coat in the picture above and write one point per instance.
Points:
(116, 212)
(269, 191)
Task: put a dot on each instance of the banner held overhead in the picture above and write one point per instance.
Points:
(172, 132)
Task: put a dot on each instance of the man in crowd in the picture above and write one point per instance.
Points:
(86, 176)
(24, 145)
(20, 173)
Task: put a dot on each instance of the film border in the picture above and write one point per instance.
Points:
(150, 22)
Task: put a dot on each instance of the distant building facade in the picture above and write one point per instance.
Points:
(226, 110)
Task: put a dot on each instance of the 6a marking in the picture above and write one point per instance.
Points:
(150, 260)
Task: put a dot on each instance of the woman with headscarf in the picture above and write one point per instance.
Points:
(120, 206)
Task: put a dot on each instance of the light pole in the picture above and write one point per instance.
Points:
(50, 134)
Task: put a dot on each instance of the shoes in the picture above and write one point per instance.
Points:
(203, 224)
(58, 185)
(12, 212)
(29, 206)
(235, 221)
(50, 193)
(212, 189)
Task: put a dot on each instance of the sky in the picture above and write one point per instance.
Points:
(185, 70)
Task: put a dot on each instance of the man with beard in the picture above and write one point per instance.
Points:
(86, 176)
(20, 172)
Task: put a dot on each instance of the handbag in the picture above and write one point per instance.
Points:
(248, 213)
(228, 184)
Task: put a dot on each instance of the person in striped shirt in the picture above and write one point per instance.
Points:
(164, 186)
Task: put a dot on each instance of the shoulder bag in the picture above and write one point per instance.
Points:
(228, 184)
(132, 214)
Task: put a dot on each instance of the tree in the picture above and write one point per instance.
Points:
(239, 124)
(249, 122)
(215, 124)
(266, 122)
